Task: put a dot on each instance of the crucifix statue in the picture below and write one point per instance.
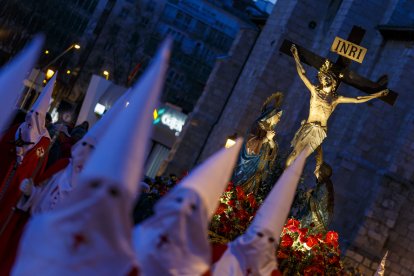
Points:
(324, 98)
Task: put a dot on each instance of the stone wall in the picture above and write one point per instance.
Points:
(388, 225)
(209, 109)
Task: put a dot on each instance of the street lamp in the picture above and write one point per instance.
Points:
(73, 46)
(106, 74)
(49, 73)
(28, 93)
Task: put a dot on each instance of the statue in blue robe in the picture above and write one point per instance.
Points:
(259, 152)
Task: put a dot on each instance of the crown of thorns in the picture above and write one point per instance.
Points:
(326, 68)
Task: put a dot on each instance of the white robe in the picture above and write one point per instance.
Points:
(50, 193)
(174, 240)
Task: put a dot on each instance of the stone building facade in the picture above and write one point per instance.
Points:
(203, 30)
(369, 146)
(119, 37)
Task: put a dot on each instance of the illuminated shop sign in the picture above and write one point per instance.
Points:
(171, 118)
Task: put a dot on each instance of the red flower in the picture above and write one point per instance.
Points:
(332, 238)
(222, 207)
(225, 228)
(287, 241)
(231, 203)
(223, 218)
(312, 241)
(303, 239)
(312, 270)
(293, 225)
(334, 259)
(319, 236)
(252, 200)
(318, 259)
(240, 193)
(282, 255)
(293, 222)
(303, 231)
(242, 214)
(229, 187)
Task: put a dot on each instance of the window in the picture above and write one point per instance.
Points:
(182, 20)
(169, 13)
(200, 28)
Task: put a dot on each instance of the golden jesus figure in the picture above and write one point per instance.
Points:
(323, 102)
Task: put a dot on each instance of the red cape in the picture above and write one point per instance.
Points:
(12, 222)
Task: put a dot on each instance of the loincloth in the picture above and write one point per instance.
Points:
(311, 134)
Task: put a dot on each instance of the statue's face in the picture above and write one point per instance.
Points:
(274, 119)
(325, 80)
(270, 134)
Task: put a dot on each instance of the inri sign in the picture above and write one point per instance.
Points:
(348, 49)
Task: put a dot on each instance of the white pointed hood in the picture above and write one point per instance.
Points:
(34, 126)
(11, 79)
(211, 178)
(255, 249)
(174, 241)
(274, 211)
(92, 234)
(124, 149)
(42, 103)
(84, 147)
(100, 127)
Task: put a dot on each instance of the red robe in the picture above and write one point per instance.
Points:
(7, 153)
(12, 222)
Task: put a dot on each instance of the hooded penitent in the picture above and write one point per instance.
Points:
(83, 148)
(92, 235)
(174, 241)
(12, 168)
(51, 193)
(253, 253)
(34, 128)
(11, 80)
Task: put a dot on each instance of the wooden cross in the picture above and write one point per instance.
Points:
(340, 67)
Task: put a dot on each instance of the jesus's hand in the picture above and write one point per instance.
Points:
(294, 50)
(384, 92)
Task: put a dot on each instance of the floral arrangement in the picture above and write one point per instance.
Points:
(234, 214)
(303, 251)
